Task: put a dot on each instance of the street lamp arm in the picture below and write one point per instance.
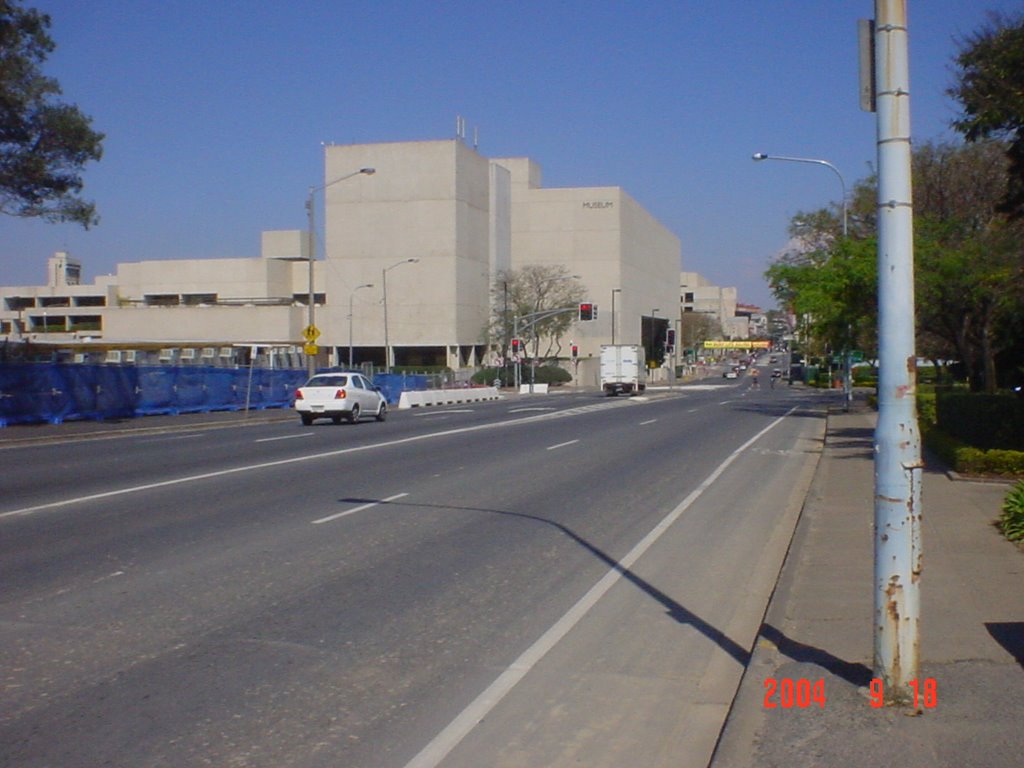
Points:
(758, 156)
(540, 316)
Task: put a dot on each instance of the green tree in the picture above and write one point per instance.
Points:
(990, 88)
(968, 264)
(969, 256)
(44, 143)
(834, 290)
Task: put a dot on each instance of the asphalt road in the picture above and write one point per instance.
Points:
(537, 581)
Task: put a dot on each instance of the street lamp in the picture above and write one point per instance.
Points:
(384, 279)
(350, 321)
(758, 156)
(311, 241)
(614, 291)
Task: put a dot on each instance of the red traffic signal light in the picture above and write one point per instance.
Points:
(575, 351)
(588, 311)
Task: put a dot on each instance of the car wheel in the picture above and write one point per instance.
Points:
(307, 419)
(382, 412)
(353, 415)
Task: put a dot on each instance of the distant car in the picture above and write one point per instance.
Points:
(339, 395)
(730, 375)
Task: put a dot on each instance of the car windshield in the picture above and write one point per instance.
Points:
(328, 381)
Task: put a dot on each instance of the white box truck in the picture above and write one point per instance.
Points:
(623, 369)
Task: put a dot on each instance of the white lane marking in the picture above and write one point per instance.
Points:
(283, 437)
(649, 421)
(442, 744)
(283, 462)
(352, 511)
(537, 408)
(174, 437)
(561, 445)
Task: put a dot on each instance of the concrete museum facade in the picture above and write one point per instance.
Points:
(411, 255)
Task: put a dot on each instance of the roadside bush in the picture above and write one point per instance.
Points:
(548, 374)
(865, 376)
(486, 376)
(985, 421)
(926, 407)
(969, 460)
(545, 374)
(1011, 521)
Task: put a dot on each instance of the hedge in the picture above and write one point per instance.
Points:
(545, 374)
(966, 459)
(985, 421)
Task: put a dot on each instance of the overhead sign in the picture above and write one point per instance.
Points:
(310, 333)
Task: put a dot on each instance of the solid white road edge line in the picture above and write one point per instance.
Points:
(442, 744)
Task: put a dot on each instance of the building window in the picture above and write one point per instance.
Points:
(303, 298)
(90, 301)
(196, 299)
(688, 297)
(18, 303)
(85, 323)
(162, 300)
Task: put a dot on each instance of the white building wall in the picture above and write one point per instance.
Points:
(428, 201)
(464, 217)
(609, 240)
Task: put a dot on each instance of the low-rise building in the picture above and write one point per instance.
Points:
(412, 253)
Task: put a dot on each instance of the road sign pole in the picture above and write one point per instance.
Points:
(898, 465)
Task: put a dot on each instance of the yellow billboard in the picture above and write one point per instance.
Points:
(737, 344)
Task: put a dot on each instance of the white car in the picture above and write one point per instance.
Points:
(339, 395)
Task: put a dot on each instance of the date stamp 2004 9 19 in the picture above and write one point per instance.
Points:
(802, 693)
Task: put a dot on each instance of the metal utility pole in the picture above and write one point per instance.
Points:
(898, 466)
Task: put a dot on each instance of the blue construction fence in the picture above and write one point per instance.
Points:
(32, 393)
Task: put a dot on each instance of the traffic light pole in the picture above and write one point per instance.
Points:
(533, 318)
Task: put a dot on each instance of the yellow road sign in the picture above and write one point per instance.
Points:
(310, 349)
(310, 333)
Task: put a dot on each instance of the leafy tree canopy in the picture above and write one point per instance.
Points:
(990, 88)
(44, 143)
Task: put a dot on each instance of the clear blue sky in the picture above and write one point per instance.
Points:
(215, 112)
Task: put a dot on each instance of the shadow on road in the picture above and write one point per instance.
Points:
(677, 611)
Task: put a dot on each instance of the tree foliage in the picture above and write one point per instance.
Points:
(969, 270)
(969, 256)
(990, 89)
(523, 293)
(44, 143)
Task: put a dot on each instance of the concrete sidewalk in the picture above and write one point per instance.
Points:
(819, 628)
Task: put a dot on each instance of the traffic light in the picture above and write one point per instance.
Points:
(670, 341)
(517, 347)
(575, 351)
(588, 311)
